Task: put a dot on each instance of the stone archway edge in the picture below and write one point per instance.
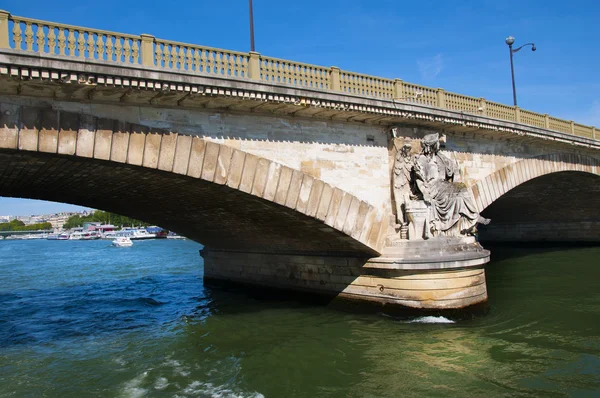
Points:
(487, 190)
(48, 130)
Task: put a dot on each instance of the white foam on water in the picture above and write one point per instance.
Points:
(195, 388)
(431, 319)
(161, 383)
(132, 388)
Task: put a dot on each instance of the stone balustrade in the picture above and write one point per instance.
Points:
(55, 39)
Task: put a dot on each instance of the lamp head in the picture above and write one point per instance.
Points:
(533, 47)
(510, 40)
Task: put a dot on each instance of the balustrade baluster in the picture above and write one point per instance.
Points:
(71, 42)
(204, 61)
(211, 62)
(17, 37)
(197, 65)
(81, 44)
(51, 40)
(126, 51)
(173, 57)
(109, 48)
(188, 58)
(41, 39)
(181, 58)
(100, 47)
(158, 55)
(135, 52)
(118, 49)
(29, 36)
(91, 45)
(62, 41)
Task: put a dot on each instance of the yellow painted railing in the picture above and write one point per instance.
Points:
(32, 35)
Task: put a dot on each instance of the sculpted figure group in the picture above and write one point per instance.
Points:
(429, 177)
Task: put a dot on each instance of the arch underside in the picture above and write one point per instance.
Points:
(559, 207)
(213, 214)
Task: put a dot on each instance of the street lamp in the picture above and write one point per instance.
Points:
(251, 26)
(510, 40)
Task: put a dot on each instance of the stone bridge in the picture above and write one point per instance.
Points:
(287, 172)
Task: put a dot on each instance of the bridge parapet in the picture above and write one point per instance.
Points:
(56, 39)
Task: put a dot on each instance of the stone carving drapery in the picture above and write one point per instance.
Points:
(453, 209)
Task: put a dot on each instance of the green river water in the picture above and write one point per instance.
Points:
(82, 319)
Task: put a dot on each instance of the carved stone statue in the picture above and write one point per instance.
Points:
(453, 210)
(403, 166)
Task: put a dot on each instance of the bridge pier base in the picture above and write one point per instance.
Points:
(434, 275)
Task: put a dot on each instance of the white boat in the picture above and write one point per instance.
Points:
(76, 236)
(135, 233)
(173, 235)
(63, 236)
(122, 241)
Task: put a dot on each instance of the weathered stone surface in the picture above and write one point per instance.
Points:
(48, 141)
(28, 132)
(152, 150)
(120, 143)
(182, 154)
(196, 157)
(283, 186)
(86, 136)
(67, 136)
(166, 157)
(236, 168)
(247, 181)
(9, 125)
(137, 144)
(223, 163)
(103, 141)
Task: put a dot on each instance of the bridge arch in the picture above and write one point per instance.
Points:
(495, 185)
(213, 193)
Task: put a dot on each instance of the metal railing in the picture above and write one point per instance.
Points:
(62, 40)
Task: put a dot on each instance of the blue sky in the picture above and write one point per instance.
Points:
(452, 44)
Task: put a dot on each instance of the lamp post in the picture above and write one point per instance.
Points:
(251, 26)
(510, 41)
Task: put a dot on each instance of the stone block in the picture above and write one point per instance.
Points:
(28, 133)
(120, 142)
(236, 168)
(103, 140)
(363, 210)
(352, 216)
(334, 206)
(152, 150)
(9, 125)
(294, 190)
(166, 156)
(67, 135)
(260, 177)
(285, 178)
(340, 218)
(324, 202)
(196, 157)
(304, 195)
(223, 163)
(137, 145)
(370, 220)
(314, 198)
(86, 135)
(182, 154)
(48, 136)
(211, 155)
(248, 174)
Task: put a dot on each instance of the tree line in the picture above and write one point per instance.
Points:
(103, 217)
(18, 225)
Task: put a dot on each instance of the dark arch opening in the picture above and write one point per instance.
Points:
(212, 214)
(562, 207)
